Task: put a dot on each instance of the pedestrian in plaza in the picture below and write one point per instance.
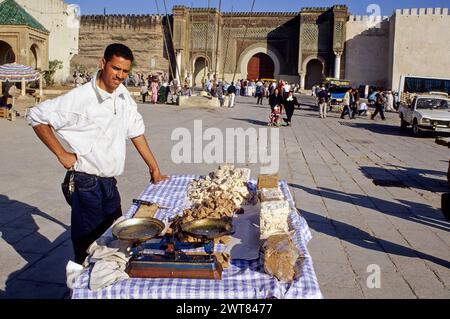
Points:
(154, 87)
(259, 93)
(166, 87)
(219, 93)
(362, 109)
(238, 88)
(287, 89)
(272, 87)
(396, 100)
(289, 104)
(276, 99)
(354, 102)
(136, 79)
(378, 106)
(94, 120)
(187, 90)
(347, 102)
(323, 102)
(389, 101)
(232, 94)
(280, 87)
(266, 90)
(144, 90)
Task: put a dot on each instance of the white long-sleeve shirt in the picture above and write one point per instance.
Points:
(95, 124)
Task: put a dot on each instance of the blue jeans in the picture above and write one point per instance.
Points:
(95, 203)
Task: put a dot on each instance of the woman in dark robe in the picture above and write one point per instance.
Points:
(289, 104)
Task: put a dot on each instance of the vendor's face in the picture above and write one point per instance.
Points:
(114, 72)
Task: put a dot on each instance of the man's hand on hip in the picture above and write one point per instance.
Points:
(68, 160)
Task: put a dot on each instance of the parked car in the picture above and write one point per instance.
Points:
(426, 112)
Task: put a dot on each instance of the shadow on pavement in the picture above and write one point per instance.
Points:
(367, 242)
(414, 212)
(389, 129)
(19, 230)
(254, 122)
(311, 106)
(410, 177)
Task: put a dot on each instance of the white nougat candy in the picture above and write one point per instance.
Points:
(271, 194)
(274, 218)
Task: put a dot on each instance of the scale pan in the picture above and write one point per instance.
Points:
(208, 228)
(138, 230)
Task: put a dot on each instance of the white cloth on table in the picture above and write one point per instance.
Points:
(73, 271)
(244, 243)
(110, 262)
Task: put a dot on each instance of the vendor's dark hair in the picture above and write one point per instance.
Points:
(118, 49)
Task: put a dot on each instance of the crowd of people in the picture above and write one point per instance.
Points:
(157, 88)
(383, 100)
(80, 78)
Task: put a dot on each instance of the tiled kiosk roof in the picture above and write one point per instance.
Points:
(11, 13)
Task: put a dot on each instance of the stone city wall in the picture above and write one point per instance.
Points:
(143, 34)
(367, 50)
(422, 43)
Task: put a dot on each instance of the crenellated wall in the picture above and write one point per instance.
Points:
(142, 33)
(422, 11)
(412, 41)
(421, 43)
(121, 21)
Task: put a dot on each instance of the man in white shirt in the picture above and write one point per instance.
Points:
(347, 102)
(94, 120)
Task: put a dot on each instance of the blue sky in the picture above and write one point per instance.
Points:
(358, 7)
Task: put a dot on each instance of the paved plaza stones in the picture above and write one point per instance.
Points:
(330, 165)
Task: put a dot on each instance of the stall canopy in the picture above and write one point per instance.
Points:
(13, 72)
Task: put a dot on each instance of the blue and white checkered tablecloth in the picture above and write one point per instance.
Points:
(242, 280)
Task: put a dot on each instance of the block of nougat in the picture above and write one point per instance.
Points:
(270, 194)
(268, 181)
(274, 216)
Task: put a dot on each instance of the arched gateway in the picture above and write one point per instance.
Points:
(260, 66)
(314, 73)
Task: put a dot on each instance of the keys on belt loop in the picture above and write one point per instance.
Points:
(71, 182)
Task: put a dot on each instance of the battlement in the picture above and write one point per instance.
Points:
(324, 9)
(321, 9)
(236, 14)
(422, 12)
(260, 14)
(365, 18)
(121, 20)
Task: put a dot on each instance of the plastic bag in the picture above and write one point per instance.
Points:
(280, 257)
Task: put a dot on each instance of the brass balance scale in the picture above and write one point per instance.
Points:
(166, 258)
